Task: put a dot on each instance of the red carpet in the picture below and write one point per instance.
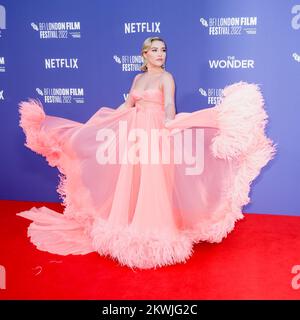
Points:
(255, 261)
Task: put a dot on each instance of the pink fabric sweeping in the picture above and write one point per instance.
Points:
(148, 213)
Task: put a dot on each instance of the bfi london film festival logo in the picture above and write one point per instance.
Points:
(129, 62)
(295, 23)
(296, 56)
(213, 96)
(2, 277)
(2, 19)
(61, 95)
(160, 146)
(57, 30)
(231, 62)
(229, 26)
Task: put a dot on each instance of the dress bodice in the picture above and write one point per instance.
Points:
(149, 98)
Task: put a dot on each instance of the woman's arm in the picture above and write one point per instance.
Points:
(168, 84)
(129, 103)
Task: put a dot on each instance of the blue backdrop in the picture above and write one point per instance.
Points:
(211, 43)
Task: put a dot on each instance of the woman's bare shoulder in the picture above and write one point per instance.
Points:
(139, 75)
(168, 76)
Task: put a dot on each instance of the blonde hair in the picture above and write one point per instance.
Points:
(146, 46)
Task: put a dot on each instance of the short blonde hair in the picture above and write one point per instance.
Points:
(146, 46)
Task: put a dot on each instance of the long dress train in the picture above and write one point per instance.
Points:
(142, 213)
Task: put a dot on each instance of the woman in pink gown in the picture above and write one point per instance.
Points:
(142, 184)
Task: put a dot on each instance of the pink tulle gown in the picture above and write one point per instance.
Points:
(141, 200)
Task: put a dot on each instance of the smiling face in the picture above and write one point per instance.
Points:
(156, 54)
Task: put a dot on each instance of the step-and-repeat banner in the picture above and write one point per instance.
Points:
(77, 56)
